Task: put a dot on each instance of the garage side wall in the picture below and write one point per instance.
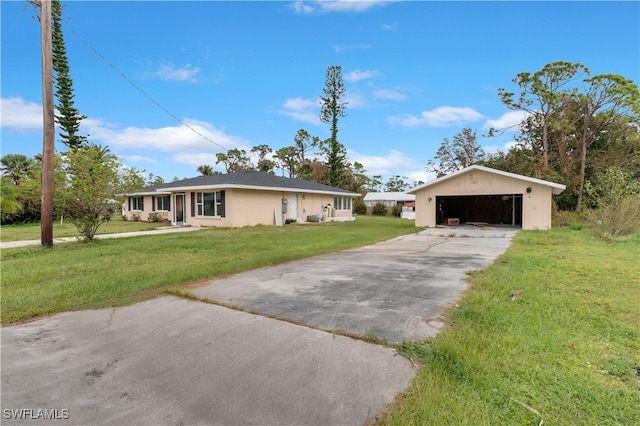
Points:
(536, 205)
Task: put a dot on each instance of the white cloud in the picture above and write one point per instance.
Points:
(390, 27)
(507, 121)
(184, 73)
(389, 164)
(492, 149)
(139, 159)
(420, 176)
(179, 138)
(197, 159)
(355, 100)
(440, 117)
(20, 115)
(357, 75)
(389, 94)
(324, 6)
(300, 109)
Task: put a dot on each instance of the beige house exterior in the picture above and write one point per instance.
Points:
(481, 195)
(240, 199)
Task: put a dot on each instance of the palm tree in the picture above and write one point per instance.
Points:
(205, 170)
(16, 166)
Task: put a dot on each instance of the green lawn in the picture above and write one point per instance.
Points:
(39, 281)
(550, 334)
(31, 231)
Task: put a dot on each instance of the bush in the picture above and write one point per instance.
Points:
(379, 209)
(358, 206)
(135, 217)
(397, 210)
(154, 217)
(616, 219)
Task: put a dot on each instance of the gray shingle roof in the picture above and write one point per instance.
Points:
(249, 179)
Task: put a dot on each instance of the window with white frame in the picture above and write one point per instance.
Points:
(210, 203)
(342, 202)
(163, 203)
(136, 203)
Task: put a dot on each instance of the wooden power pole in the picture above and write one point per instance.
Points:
(48, 143)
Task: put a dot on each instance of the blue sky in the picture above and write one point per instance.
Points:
(241, 74)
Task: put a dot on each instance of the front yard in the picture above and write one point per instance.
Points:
(549, 334)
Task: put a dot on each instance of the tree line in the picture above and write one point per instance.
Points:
(578, 130)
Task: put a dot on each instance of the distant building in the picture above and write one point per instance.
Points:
(389, 199)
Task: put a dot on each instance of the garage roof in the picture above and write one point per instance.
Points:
(556, 188)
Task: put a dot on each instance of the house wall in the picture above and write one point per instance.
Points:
(144, 214)
(536, 205)
(245, 207)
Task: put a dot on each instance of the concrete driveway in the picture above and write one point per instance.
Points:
(392, 290)
(172, 361)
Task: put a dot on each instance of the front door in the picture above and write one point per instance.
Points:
(179, 218)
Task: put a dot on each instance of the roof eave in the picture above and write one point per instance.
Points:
(557, 188)
(255, 187)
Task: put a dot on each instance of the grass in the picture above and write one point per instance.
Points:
(37, 281)
(31, 231)
(549, 334)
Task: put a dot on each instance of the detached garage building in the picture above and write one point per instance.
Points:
(481, 195)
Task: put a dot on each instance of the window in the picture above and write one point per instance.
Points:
(210, 203)
(136, 203)
(163, 203)
(341, 202)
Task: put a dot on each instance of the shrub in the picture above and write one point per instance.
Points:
(397, 210)
(154, 217)
(616, 219)
(615, 196)
(135, 217)
(358, 206)
(379, 209)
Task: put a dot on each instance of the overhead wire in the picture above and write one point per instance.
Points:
(179, 120)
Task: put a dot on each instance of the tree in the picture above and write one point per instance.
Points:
(16, 166)
(374, 184)
(153, 180)
(462, 152)
(68, 116)
(287, 160)
(331, 110)
(9, 197)
(235, 161)
(264, 164)
(540, 93)
(607, 99)
(396, 183)
(360, 178)
(95, 182)
(205, 170)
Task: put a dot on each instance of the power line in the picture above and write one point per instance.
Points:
(143, 92)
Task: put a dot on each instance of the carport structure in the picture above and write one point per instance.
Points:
(481, 195)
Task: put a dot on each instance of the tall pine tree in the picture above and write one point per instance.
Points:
(67, 116)
(331, 109)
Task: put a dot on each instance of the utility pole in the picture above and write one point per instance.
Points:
(48, 142)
